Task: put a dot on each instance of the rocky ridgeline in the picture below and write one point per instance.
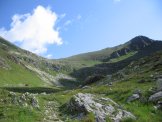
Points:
(82, 104)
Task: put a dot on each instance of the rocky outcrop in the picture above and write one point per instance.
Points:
(135, 44)
(100, 107)
(51, 112)
(25, 99)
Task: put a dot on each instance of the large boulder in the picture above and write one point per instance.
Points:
(155, 97)
(100, 107)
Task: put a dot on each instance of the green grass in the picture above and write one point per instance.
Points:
(122, 57)
(19, 114)
(119, 92)
(19, 75)
(15, 113)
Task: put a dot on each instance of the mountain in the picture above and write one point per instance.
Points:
(19, 67)
(37, 71)
(121, 57)
(122, 83)
(135, 44)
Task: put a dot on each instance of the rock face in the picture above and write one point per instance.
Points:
(100, 107)
(155, 97)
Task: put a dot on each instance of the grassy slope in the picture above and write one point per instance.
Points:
(96, 55)
(17, 74)
(119, 92)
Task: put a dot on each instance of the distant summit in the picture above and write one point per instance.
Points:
(136, 44)
(140, 42)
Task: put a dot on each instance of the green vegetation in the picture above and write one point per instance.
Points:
(123, 71)
(123, 57)
(19, 76)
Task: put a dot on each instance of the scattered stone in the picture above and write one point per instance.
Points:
(86, 87)
(50, 113)
(159, 105)
(34, 102)
(110, 84)
(133, 97)
(155, 97)
(25, 99)
(137, 91)
(100, 107)
(44, 93)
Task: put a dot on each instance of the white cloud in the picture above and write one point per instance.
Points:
(34, 30)
(49, 56)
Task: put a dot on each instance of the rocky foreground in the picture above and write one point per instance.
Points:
(101, 107)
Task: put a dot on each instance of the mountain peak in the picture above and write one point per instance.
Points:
(139, 42)
(141, 39)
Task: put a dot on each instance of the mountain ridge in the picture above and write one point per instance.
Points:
(119, 83)
(102, 55)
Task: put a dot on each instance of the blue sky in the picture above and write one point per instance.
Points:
(61, 28)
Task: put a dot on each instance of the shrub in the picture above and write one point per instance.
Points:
(89, 118)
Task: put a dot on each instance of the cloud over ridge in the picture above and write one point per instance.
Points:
(34, 31)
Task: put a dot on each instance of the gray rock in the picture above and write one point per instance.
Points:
(86, 87)
(159, 84)
(155, 97)
(34, 102)
(159, 105)
(137, 91)
(133, 97)
(24, 99)
(13, 97)
(100, 107)
(110, 84)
